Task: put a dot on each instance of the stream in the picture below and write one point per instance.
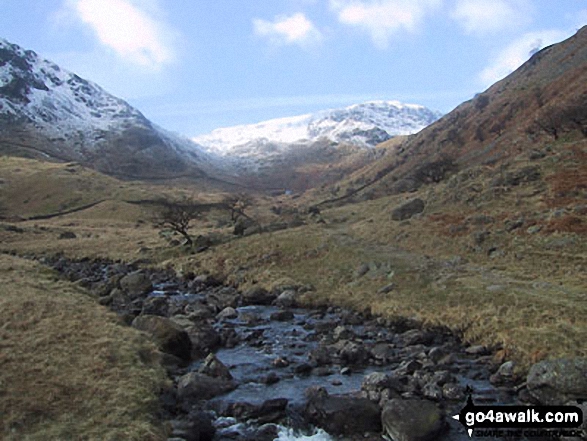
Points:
(263, 368)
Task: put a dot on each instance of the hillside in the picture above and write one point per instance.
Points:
(49, 113)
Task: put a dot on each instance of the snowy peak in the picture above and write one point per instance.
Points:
(49, 112)
(362, 125)
(36, 90)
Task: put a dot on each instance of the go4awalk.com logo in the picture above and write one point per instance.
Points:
(521, 421)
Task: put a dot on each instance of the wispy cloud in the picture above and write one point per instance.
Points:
(482, 16)
(127, 28)
(284, 30)
(518, 52)
(382, 19)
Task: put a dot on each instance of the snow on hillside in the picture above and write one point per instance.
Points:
(53, 98)
(363, 125)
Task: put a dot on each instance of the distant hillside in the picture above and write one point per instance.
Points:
(49, 113)
(534, 112)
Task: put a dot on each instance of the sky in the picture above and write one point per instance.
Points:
(195, 65)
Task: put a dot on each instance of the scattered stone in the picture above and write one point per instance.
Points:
(477, 350)
(168, 336)
(408, 209)
(453, 392)
(412, 420)
(68, 235)
(342, 333)
(534, 229)
(303, 369)
(346, 371)
(362, 270)
(386, 289)
(280, 362)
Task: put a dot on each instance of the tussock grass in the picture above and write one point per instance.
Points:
(68, 369)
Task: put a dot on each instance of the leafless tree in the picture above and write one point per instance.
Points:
(178, 215)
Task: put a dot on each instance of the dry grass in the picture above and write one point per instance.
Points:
(68, 369)
(530, 306)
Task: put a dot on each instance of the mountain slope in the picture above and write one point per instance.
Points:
(48, 112)
(312, 150)
(541, 105)
(361, 125)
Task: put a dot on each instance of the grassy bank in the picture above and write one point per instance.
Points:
(68, 369)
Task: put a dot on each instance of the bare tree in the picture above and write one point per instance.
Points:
(237, 204)
(178, 215)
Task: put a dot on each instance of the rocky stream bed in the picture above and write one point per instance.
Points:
(255, 365)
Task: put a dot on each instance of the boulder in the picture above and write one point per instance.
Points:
(136, 284)
(258, 296)
(156, 306)
(412, 420)
(204, 339)
(227, 313)
(168, 336)
(223, 297)
(505, 374)
(287, 299)
(215, 368)
(198, 386)
(283, 315)
(269, 411)
(408, 209)
(556, 382)
(343, 415)
(197, 427)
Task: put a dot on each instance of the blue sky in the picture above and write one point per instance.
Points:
(195, 65)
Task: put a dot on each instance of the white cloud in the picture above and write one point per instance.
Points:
(128, 29)
(295, 29)
(383, 18)
(518, 52)
(482, 16)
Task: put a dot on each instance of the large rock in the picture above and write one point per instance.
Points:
(222, 298)
(343, 415)
(556, 382)
(169, 336)
(412, 420)
(408, 209)
(258, 296)
(204, 339)
(136, 284)
(198, 386)
(215, 368)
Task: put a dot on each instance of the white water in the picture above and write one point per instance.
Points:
(286, 434)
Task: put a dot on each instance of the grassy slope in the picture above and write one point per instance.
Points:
(527, 297)
(68, 370)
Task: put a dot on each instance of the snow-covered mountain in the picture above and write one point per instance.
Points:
(361, 125)
(48, 111)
